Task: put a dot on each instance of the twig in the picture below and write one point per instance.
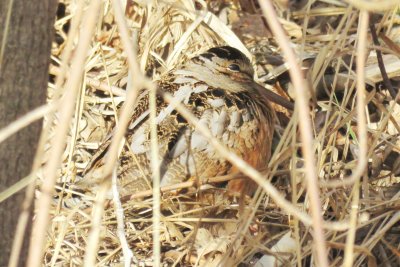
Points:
(15, 188)
(361, 118)
(381, 65)
(155, 166)
(305, 130)
(362, 135)
(6, 28)
(94, 234)
(26, 119)
(57, 147)
(378, 234)
(183, 185)
(140, 82)
(394, 47)
(373, 6)
(93, 82)
(119, 214)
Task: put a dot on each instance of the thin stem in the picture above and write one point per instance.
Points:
(362, 135)
(305, 130)
(155, 166)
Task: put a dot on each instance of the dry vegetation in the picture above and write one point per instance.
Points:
(356, 159)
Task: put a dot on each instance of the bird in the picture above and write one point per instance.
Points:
(218, 87)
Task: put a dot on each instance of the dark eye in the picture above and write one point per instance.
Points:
(234, 67)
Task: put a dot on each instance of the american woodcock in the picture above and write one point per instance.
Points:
(218, 88)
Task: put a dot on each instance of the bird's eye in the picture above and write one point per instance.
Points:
(234, 67)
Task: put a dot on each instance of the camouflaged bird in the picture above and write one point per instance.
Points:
(218, 88)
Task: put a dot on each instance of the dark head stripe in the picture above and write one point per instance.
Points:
(226, 52)
(208, 55)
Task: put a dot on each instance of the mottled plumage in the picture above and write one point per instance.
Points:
(218, 88)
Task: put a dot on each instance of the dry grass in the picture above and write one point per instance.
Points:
(331, 191)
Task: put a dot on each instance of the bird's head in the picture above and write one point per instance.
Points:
(222, 67)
